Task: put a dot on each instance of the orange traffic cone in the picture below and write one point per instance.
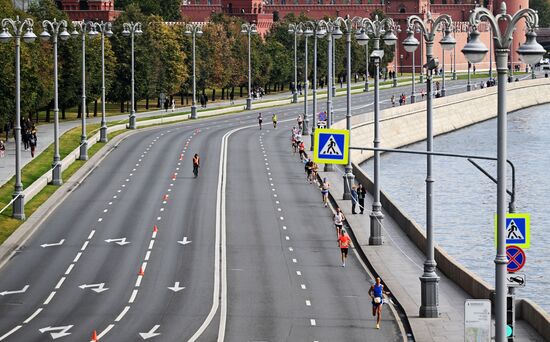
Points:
(155, 229)
(94, 336)
(141, 273)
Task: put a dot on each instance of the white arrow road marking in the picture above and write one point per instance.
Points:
(53, 244)
(184, 241)
(176, 287)
(62, 331)
(151, 333)
(23, 290)
(119, 241)
(98, 288)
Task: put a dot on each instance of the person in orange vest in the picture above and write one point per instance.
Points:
(344, 242)
(302, 150)
(196, 164)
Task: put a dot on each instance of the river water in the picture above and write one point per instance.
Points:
(465, 199)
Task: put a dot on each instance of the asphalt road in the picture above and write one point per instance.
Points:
(245, 252)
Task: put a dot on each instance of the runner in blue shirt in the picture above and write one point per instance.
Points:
(376, 292)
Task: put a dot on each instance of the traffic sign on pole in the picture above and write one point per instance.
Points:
(515, 280)
(516, 258)
(331, 146)
(517, 230)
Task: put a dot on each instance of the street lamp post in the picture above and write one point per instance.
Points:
(429, 279)
(296, 30)
(132, 29)
(366, 68)
(308, 32)
(85, 28)
(331, 27)
(333, 66)
(249, 29)
(18, 27)
(448, 42)
(319, 31)
(411, 44)
(379, 29)
(454, 55)
(105, 30)
(421, 57)
(348, 24)
(58, 29)
(193, 30)
(530, 52)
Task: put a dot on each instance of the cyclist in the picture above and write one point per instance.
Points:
(196, 164)
(274, 119)
(376, 292)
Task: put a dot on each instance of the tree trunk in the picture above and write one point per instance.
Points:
(147, 102)
(181, 98)
(87, 110)
(213, 95)
(79, 115)
(241, 92)
(63, 114)
(48, 114)
(95, 108)
(223, 93)
(122, 106)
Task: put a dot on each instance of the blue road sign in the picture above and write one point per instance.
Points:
(331, 146)
(516, 258)
(517, 230)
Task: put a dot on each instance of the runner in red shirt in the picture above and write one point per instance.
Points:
(344, 242)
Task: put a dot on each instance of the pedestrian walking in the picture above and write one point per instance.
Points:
(274, 119)
(392, 100)
(376, 292)
(325, 186)
(361, 193)
(166, 103)
(344, 242)
(2, 149)
(173, 105)
(354, 199)
(32, 141)
(232, 97)
(339, 219)
(196, 165)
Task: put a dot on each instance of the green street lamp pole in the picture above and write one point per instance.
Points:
(18, 27)
(59, 30)
(503, 26)
(132, 29)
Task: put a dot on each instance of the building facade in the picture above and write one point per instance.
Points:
(96, 10)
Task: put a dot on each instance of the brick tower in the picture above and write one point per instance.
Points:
(89, 9)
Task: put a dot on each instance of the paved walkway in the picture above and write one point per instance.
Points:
(400, 264)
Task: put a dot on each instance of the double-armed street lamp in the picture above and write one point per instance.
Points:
(105, 30)
(429, 279)
(20, 29)
(307, 32)
(412, 49)
(330, 28)
(295, 29)
(193, 30)
(84, 28)
(502, 26)
(249, 29)
(59, 30)
(132, 29)
(448, 43)
(319, 30)
(378, 29)
(349, 25)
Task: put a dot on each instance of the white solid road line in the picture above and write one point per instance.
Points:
(31, 317)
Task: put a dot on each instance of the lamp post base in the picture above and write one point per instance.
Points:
(295, 97)
(56, 173)
(312, 141)
(375, 238)
(248, 103)
(18, 206)
(83, 150)
(333, 91)
(443, 92)
(429, 288)
(468, 87)
(366, 86)
(348, 182)
(395, 82)
(193, 112)
(413, 98)
(328, 168)
(421, 78)
(103, 133)
(132, 121)
(454, 75)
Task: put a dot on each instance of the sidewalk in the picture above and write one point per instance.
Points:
(400, 264)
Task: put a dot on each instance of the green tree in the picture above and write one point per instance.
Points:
(543, 7)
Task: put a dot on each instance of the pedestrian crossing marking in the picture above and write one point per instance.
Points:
(517, 230)
(513, 232)
(331, 146)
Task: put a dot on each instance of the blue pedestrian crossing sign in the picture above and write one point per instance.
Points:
(331, 146)
(517, 230)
